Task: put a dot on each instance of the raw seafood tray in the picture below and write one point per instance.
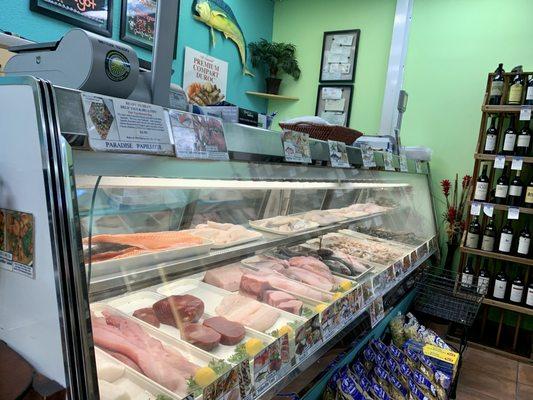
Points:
(369, 238)
(256, 225)
(257, 236)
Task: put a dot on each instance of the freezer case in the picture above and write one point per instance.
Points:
(189, 277)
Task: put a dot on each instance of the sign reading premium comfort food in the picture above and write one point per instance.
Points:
(126, 126)
(17, 242)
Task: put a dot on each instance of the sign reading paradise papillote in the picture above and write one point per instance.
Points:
(198, 136)
(296, 147)
(126, 126)
(17, 242)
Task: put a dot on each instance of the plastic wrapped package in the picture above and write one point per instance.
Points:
(405, 374)
(429, 390)
(369, 359)
(396, 329)
(378, 391)
(397, 390)
(395, 353)
(411, 358)
(382, 377)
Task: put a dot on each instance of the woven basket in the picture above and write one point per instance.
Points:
(324, 132)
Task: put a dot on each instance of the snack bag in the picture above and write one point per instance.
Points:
(415, 393)
(359, 371)
(378, 392)
(379, 346)
(396, 329)
(411, 359)
(429, 390)
(397, 390)
(405, 374)
(380, 360)
(392, 366)
(395, 353)
(382, 377)
(369, 358)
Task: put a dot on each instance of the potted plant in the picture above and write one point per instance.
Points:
(276, 57)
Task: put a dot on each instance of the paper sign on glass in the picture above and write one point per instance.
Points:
(329, 93)
(387, 161)
(346, 50)
(198, 136)
(338, 154)
(333, 117)
(337, 58)
(368, 156)
(475, 209)
(499, 162)
(334, 105)
(403, 163)
(488, 209)
(516, 164)
(17, 242)
(296, 147)
(125, 126)
(343, 40)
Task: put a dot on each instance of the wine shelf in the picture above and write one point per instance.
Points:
(492, 157)
(498, 256)
(502, 109)
(502, 207)
(508, 306)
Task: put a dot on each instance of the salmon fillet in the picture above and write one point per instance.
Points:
(150, 240)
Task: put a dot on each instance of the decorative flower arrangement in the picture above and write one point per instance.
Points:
(455, 207)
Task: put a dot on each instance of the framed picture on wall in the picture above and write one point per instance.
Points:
(137, 23)
(94, 15)
(339, 56)
(334, 103)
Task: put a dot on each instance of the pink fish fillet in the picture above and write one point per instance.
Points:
(281, 282)
(306, 276)
(312, 264)
(227, 277)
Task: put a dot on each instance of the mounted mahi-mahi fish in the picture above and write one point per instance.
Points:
(218, 15)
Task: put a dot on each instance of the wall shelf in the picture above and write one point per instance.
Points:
(503, 207)
(492, 157)
(498, 256)
(508, 306)
(272, 96)
(502, 108)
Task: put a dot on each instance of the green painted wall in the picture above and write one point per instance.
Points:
(303, 22)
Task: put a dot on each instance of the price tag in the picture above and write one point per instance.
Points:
(418, 166)
(488, 210)
(499, 162)
(475, 209)
(376, 311)
(338, 155)
(296, 147)
(368, 156)
(387, 160)
(513, 213)
(525, 113)
(516, 164)
(403, 163)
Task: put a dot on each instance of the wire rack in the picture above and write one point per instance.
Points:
(441, 294)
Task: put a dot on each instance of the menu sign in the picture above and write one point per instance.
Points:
(139, 21)
(296, 147)
(198, 136)
(93, 15)
(125, 126)
(17, 242)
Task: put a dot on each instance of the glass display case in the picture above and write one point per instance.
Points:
(167, 278)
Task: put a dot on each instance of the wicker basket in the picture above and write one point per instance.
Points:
(324, 132)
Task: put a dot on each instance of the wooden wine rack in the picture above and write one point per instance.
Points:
(525, 213)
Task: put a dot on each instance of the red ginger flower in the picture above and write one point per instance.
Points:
(445, 183)
(452, 213)
(466, 181)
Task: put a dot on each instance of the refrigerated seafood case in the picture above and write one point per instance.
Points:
(154, 276)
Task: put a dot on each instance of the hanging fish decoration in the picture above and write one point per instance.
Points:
(218, 16)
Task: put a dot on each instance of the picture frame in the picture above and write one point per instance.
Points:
(338, 98)
(98, 19)
(137, 23)
(339, 55)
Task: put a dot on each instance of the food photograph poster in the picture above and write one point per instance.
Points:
(205, 78)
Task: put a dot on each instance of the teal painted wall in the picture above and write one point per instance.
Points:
(255, 18)
(303, 23)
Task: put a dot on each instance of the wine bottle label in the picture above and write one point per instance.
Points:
(509, 142)
(523, 245)
(496, 89)
(529, 195)
(515, 94)
(487, 244)
(529, 299)
(523, 141)
(501, 191)
(505, 242)
(472, 240)
(516, 293)
(490, 143)
(483, 285)
(481, 191)
(499, 289)
(515, 190)
(529, 93)
(467, 279)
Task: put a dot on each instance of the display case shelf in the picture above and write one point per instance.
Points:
(498, 256)
(508, 306)
(503, 207)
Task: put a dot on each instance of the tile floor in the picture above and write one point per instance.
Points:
(489, 376)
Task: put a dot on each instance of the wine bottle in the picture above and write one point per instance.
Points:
(491, 139)
(529, 91)
(502, 187)
(500, 286)
(523, 140)
(515, 90)
(482, 185)
(483, 279)
(515, 191)
(529, 297)
(509, 138)
(524, 240)
(467, 277)
(517, 290)
(506, 238)
(528, 198)
(472, 236)
(496, 87)
(489, 236)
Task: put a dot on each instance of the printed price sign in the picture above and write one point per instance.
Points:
(125, 126)
(513, 213)
(525, 113)
(403, 163)
(516, 164)
(17, 242)
(418, 166)
(376, 311)
(499, 162)
(307, 336)
(475, 209)
(488, 210)
(224, 386)
(387, 160)
(368, 156)
(338, 155)
(296, 147)
(328, 317)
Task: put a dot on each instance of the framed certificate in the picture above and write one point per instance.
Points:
(334, 103)
(93, 15)
(339, 56)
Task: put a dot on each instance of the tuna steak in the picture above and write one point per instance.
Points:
(186, 307)
(231, 332)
